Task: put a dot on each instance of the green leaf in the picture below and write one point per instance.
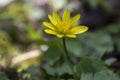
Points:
(32, 33)
(105, 75)
(49, 69)
(95, 43)
(110, 61)
(52, 57)
(87, 76)
(93, 3)
(54, 51)
(64, 68)
(90, 43)
(3, 76)
(74, 47)
(112, 29)
(90, 65)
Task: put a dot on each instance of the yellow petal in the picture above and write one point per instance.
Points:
(78, 29)
(56, 17)
(49, 25)
(48, 31)
(66, 16)
(54, 22)
(71, 35)
(75, 19)
(60, 35)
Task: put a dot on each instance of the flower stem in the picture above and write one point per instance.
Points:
(66, 52)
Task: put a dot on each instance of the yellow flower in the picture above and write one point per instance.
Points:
(64, 27)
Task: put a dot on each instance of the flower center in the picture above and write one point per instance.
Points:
(64, 27)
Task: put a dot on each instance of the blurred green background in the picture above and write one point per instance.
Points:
(27, 53)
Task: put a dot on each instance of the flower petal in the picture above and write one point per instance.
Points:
(49, 25)
(75, 19)
(78, 29)
(48, 31)
(56, 17)
(71, 35)
(54, 22)
(66, 16)
(60, 35)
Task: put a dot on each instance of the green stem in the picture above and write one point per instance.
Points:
(66, 52)
(69, 60)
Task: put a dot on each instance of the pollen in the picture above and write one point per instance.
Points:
(63, 28)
